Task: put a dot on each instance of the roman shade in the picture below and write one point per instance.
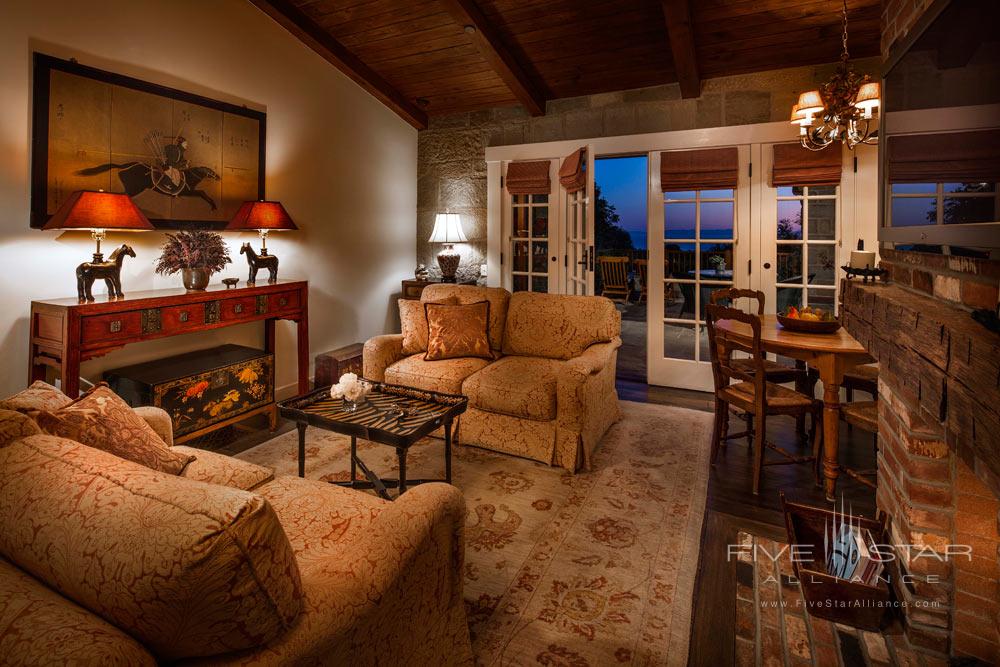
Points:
(573, 172)
(956, 157)
(528, 178)
(699, 169)
(794, 164)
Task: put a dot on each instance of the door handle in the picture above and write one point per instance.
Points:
(583, 261)
(767, 265)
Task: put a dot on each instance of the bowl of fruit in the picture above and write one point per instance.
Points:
(808, 320)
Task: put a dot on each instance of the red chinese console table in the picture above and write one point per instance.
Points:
(66, 332)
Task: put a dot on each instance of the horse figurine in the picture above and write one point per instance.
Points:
(110, 271)
(257, 262)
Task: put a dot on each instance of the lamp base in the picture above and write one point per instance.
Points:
(448, 260)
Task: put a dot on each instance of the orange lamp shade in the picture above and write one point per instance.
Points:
(86, 209)
(258, 215)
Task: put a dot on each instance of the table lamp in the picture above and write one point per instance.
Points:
(98, 212)
(448, 230)
(262, 217)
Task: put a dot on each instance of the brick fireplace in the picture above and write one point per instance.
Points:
(939, 442)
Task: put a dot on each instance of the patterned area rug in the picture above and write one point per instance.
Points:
(595, 568)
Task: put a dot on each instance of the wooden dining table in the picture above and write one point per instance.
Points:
(831, 355)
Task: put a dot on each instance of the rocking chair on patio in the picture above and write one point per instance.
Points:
(614, 278)
(640, 275)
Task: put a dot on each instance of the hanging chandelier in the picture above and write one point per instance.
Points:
(844, 109)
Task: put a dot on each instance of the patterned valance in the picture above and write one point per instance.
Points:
(573, 172)
(699, 169)
(956, 157)
(528, 178)
(794, 164)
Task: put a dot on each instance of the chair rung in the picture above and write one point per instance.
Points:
(741, 434)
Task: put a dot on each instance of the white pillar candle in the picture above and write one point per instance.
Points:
(862, 259)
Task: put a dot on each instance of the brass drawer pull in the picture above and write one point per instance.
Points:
(283, 301)
(116, 326)
(185, 316)
(238, 308)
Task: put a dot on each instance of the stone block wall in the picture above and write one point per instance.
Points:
(939, 447)
(451, 166)
(898, 16)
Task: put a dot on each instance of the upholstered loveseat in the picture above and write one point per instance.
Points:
(547, 394)
(106, 561)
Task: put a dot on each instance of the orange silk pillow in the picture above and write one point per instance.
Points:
(460, 330)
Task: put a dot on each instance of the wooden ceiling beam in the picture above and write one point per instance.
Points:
(310, 33)
(677, 14)
(487, 40)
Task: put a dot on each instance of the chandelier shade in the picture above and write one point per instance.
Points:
(843, 110)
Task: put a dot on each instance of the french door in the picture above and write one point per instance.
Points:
(578, 222)
(698, 242)
(549, 238)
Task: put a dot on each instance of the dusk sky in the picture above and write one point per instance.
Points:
(623, 183)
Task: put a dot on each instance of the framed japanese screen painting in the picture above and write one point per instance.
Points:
(186, 160)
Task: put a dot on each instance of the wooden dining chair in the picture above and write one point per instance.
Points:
(861, 378)
(614, 277)
(779, 373)
(753, 393)
(640, 272)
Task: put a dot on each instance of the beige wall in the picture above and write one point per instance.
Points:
(343, 165)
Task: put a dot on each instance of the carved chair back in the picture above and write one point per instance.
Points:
(728, 296)
(723, 344)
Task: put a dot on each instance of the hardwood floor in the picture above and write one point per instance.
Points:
(732, 506)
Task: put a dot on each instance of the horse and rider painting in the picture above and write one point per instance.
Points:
(187, 161)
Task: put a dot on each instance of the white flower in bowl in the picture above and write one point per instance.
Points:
(350, 387)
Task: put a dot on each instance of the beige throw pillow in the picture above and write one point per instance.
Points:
(455, 331)
(39, 396)
(413, 323)
(102, 420)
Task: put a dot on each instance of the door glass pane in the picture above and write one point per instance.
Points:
(788, 296)
(717, 194)
(821, 264)
(822, 190)
(686, 194)
(791, 191)
(822, 298)
(539, 284)
(706, 298)
(520, 283)
(539, 199)
(540, 222)
(679, 221)
(704, 353)
(822, 219)
(909, 211)
(717, 220)
(716, 261)
(678, 341)
(678, 300)
(520, 222)
(790, 220)
(539, 257)
(520, 255)
(679, 260)
(789, 269)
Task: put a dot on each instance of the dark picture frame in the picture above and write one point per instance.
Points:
(171, 180)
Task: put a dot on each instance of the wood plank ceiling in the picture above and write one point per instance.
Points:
(435, 57)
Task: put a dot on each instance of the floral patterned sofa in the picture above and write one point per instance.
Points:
(106, 561)
(549, 392)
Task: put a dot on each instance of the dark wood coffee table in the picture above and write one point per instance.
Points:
(392, 415)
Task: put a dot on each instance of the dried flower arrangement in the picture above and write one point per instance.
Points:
(193, 250)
